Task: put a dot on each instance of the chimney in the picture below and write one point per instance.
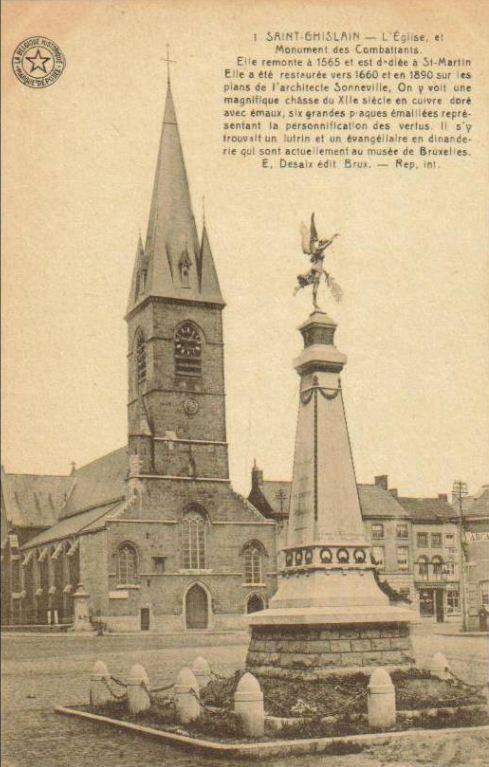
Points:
(256, 477)
(443, 497)
(393, 492)
(382, 481)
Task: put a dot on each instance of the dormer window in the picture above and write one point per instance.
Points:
(184, 266)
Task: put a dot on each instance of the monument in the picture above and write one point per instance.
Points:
(328, 612)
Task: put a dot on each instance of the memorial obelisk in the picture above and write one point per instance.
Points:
(328, 612)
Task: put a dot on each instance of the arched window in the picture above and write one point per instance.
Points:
(188, 350)
(423, 567)
(193, 541)
(140, 359)
(437, 563)
(127, 565)
(253, 565)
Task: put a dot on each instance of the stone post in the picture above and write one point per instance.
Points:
(248, 705)
(381, 700)
(439, 666)
(99, 685)
(81, 618)
(201, 671)
(138, 696)
(187, 704)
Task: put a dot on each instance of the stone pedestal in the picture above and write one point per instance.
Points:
(328, 614)
(298, 651)
(80, 609)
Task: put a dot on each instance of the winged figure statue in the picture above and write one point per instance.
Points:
(314, 248)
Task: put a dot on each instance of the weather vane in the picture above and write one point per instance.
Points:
(314, 247)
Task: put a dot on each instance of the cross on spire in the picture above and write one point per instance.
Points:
(168, 62)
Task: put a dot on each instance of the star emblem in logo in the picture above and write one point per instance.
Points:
(38, 62)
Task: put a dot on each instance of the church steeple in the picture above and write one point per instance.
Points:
(176, 402)
(174, 264)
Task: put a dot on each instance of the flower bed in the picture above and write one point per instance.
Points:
(336, 706)
(415, 689)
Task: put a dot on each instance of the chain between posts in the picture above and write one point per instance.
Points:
(319, 714)
(466, 684)
(210, 710)
(114, 694)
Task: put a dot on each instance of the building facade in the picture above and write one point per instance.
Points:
(436, 558)
(475, 543)
(153, 531)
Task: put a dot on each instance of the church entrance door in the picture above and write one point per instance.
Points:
(196, 608)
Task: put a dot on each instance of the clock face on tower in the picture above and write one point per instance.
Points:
(187, 342)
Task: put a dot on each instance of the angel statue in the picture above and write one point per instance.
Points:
(314, 247)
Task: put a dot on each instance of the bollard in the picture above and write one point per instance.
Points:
(248, 705)
(99, 685)
(187, 704)
(201, 671)
(381, 700)
(138, 696)
(439, 666)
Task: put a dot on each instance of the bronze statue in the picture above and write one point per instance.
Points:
(314, 247)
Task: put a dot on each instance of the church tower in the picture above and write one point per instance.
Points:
(176, 407)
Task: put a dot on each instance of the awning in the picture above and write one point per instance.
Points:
(52, 590)
(38, 593)
(68, 589)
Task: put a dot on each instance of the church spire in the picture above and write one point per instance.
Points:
(176, 268)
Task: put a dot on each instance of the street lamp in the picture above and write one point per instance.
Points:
(459, 492)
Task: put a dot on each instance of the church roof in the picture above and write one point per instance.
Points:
(172, 245)
(86, 521)
(33, 500)
(100, 482)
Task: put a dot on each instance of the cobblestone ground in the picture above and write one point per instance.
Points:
(42, 671)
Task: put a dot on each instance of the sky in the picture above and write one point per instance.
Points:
(79, 161)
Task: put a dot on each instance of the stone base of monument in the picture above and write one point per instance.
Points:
(317, 651)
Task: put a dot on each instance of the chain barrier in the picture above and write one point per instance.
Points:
(164, 688)
(118, 681)
(123, 696)
(319, 714)
(210, 710)
(219, 676)
(466, 684)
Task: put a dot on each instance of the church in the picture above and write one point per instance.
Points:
(153, 533)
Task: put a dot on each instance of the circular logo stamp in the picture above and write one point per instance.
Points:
(38, 62)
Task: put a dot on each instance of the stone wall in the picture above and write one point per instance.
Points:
(316, 651)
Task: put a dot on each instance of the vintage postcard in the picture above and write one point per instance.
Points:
(245, 500)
